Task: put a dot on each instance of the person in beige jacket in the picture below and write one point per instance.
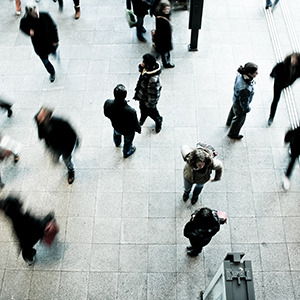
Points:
(198, 168)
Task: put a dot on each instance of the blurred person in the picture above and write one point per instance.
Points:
(43, 32)
(18, 7)
(270, 4)
(284, 73)
(27, 228)
(123, 119)
(242, 97)
(293, 138)
(163, 33)
(203, 225)
(140, 9)
(60, 138)
(147, 90)
(6, 106)
(197, 170)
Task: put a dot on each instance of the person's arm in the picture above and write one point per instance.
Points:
(25, 25)
(128, 4)
(244, 100)
(153, 91)
(218, 167)
(53, 31)
(137, 124)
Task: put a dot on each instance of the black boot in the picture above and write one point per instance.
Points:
(158, 125)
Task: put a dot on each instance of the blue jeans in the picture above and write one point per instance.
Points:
(188, 186)
(47, 63)
(127, 148)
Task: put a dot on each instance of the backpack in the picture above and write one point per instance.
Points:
(208, 147)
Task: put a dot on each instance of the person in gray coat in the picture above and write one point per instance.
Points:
(242, 97)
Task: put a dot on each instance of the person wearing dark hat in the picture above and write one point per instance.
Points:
(242, 97)
(123, 119)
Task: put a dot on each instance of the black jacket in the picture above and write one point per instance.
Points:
(58, 135)
(45, 33)
(140, 7)
(293, 137)
(163, 35)
(122, 116)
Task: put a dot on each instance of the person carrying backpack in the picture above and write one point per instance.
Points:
(199, 165)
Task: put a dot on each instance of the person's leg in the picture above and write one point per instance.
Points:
(290, 166)
(187, 186)
(277, 91)
(77, 9)
(154, 114)
(144, 112)
(49, 67)
(268, 3)
(237, 122)
(61, 5)
(70, 166)
(18, 6)
(139, 28)
(166, 57)
(230, 116)
(128, 148)
(28, 255)
(196, 192)
(117, 138)
(195, 248)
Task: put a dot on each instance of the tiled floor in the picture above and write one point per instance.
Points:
(121, 221)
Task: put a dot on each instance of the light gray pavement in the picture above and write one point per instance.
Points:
(121, 221)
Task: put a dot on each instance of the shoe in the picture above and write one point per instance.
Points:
(189, 247)
(270, 121)
(16, 158)
(192, 253)
(239, 137)
(168, 66)
(185, 196)
(9, 112)
(286, 183)
(60, 7)
(52, 77)
(133, 148)
(33, 260)
(18, 13)
(144, 30)
(117, 145)
(77, 12)
(267, 7)
(194, 200)
(142, 39)
(228, 125)
(2, 185)
(71, 177)
(158, 125)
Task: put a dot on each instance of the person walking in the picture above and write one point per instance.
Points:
(270, 4)
(140, 9)
(28, 228)
(203, 225)
(242, 97)
(43, 32)
(148, 89)
(60, 138)
(284, 73)
(198, 169)
(163, 33)
(293, 138)
(76, 7)
(123, 119)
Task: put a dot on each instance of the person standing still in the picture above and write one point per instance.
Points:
(242, 97)
(123, 119)
(43, 32)
(147, 90)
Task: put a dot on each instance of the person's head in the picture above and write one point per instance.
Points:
(120, 93)
(164, 7)
(44, 115)
(11, 206)
(32, 10)
(198, 158)
(249, 69)
(149, 62)
(295, 59)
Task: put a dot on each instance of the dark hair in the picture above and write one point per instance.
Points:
(248, 68)
(11, 206)
(120, 92)
(287, 60)
(162, 4)
(149, 61)
(204, 218)
(199, 155)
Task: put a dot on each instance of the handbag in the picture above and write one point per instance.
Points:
(130, 17)
(50, 232)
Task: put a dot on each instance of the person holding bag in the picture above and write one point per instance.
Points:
(163, 33)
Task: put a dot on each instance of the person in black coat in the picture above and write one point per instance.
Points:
(28, 229)
(204, 224)
(44, 36)
(284, 73)
(140, 9)
(163, 33)
(59, 137)
(293, 138)
(123, 119)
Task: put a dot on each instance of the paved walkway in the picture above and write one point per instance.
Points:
(122, 220)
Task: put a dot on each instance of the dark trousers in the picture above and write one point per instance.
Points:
(60, 2)
(139, 26)
(236, 119)
(128, 139)
(291, 165)
(165, 57)
(277, 92)
(198, 244)
(151, 112)
(49, 67)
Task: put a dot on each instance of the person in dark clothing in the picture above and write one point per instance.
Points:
(140, 9)
(59, 137)
(28, 228)
(163, 33)
(43, 32)
(284, 73)
(242, 97)
(293, 138)
(123, 119)
(6, 106)
(204, 224)
(147, 90)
